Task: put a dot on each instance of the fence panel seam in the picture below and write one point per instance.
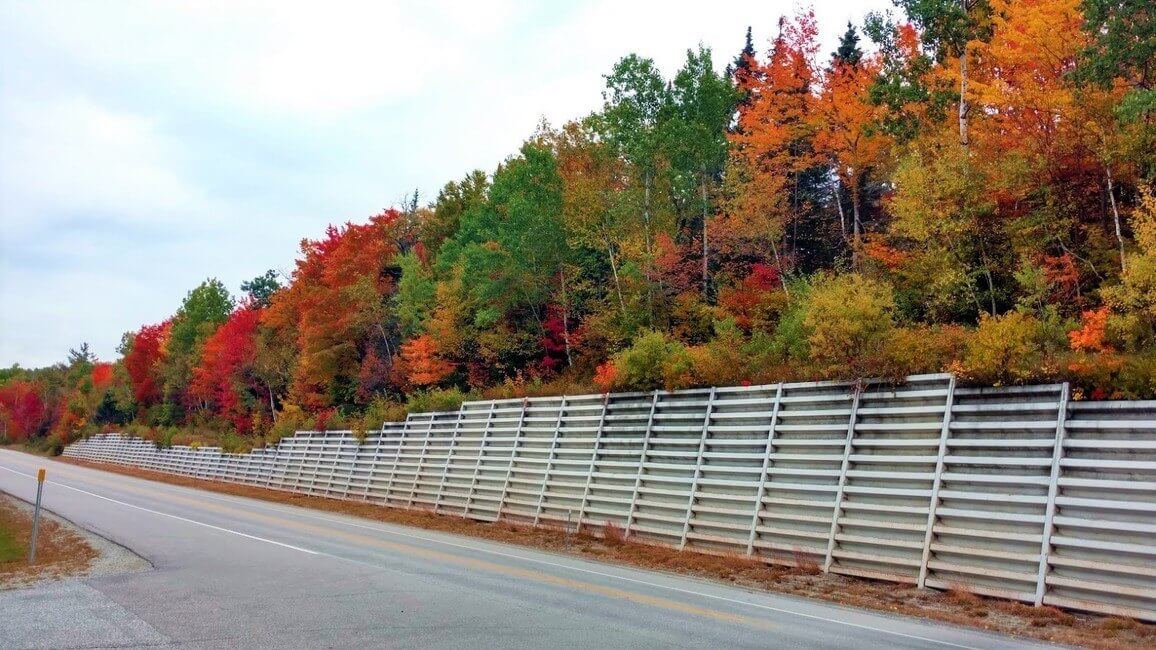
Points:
(936, 483)
(641, 465)
(1053, 490)
(762, 490)
(842, 485)
(593, 460)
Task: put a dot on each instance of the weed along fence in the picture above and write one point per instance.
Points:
(1016, 492)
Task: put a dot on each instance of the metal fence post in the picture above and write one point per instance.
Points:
(421, 459)
(593, 460)
(396, 459)
(449, 458)
(513, 456)
(697, 469)
(550, 461)
(843, 467)
(641, 465)
(1053, 489)
(478, 463)
(936, 483)
(770, 449)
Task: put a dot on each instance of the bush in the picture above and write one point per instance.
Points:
(849, 321)
(290, 420)
(920, 349)
(437, 399)
(1008, 349)
(652, 361)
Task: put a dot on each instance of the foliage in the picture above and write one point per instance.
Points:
(849, 320)
(652, 361)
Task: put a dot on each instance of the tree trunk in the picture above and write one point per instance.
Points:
(856, 227)
(705, 249)
(617, 283)
(842, 216)
(963, 107)
(1116, 219)
(565, 317)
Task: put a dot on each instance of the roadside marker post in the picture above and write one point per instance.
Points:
(36, 517)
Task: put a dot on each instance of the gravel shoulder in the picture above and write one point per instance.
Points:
(64, 550)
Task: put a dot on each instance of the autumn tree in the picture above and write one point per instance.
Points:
(336, 308)
(850, 135)
(702, 103)
(772, 146)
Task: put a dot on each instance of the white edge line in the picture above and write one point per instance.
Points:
(256, 503)
(165, 514)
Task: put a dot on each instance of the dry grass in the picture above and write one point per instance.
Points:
(804, 579)
(60, 551)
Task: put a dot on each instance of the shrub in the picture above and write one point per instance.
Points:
(849, 320)
(1008, 349)
(290, 420)
(919, 349)
(720, 362)
(437, 399)
(652, 361)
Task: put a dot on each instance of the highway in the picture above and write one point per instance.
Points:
(236, 572)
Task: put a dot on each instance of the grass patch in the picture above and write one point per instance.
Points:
(11, 548)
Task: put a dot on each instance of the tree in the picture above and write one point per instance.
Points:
(1122, 45)
(703, 103)
(424, 366)
(850, 136)
(336, 309)
(771, 149)
(848, 51)
(849, 319)
(144, 353)
(947, 27)
(202, 310)
(632, 120)
(260, 289)
(22, 410)
(224, 376)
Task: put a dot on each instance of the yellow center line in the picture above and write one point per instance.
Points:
(441, 556)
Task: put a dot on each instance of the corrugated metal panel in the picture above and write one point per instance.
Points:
(1014, 492)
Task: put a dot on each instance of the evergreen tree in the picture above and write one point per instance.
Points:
(848, 50)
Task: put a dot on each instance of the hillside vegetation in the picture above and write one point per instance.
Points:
(961, 187)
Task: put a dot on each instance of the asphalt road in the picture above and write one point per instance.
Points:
(235, 572)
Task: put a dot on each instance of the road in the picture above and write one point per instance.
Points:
(236, 572)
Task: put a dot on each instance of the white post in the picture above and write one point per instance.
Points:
(405, 429)
(421, 459)
(641, 465)
(550, 461)
(842, 480)
(593, 460)
(1053, 489)
(449, 458)
(766, 467)
(478, 462)
(513, 456)
(697, 469)
(936, 482)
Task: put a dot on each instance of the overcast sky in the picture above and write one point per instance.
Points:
(146, 146)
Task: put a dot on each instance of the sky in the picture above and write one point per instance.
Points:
(146, 146)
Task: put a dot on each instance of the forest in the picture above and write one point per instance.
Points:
(960, 186)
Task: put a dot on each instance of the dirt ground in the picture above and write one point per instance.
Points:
(956, 607)
(60, 551)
